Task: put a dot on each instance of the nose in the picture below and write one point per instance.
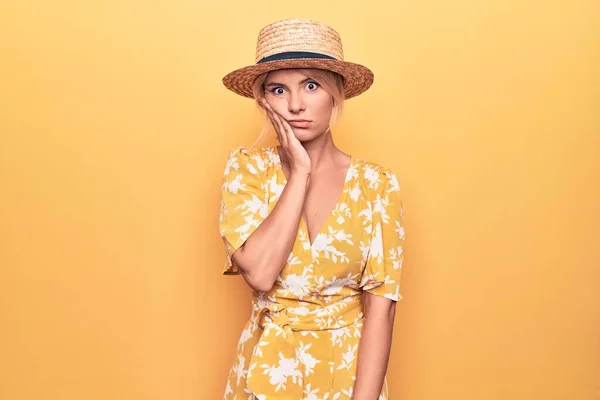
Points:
(296, 104)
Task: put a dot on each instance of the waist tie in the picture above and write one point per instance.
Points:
(277, 344)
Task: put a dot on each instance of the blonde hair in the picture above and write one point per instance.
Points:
(331, 82)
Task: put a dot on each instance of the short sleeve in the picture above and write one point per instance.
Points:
(244, 201)
(381, 275)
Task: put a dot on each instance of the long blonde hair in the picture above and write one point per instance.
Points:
(331, 82)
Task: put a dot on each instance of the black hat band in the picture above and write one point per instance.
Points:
(290, 55)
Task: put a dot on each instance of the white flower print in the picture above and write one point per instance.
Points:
(340, 336)
(254, 206)
(310, 394)
(349, 392)
(257, 349)
(365, 247)
(342, 211)
(371, 175)
(348, 357)
(323, 243)
(396, 296)
(275, 188)
(231, 163)
(380, 206)
(352, 173)
(376, 251)
(244, 230)
(335, 285)
(264, 300)
(252, 396)
(239, 371)
(331, 314)
(399, 230)
(228, 388)
(307, 359)
(235, 185)
(258, 161)
(301, 311)
(296, 285)
(396, 257)
(369, 281)
(246, 335)
(393, 181)
(367, 215)
(279, 374)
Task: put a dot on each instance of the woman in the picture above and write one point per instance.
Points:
(316, 233)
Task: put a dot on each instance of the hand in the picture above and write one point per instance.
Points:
(293, 150)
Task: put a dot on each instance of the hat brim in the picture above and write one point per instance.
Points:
(357, 78)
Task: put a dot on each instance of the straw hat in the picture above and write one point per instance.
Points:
(299, 43)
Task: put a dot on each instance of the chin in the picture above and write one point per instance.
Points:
(306, 135)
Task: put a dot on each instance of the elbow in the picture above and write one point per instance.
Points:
(258, 278)
(262, 286)
(255, 271)
(259, 282)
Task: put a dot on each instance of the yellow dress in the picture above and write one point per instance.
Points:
(302, 339)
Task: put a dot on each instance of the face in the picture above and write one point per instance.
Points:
(295, 97)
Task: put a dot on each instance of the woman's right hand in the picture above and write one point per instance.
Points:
(294, 152)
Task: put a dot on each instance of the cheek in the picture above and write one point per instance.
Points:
(279, 105)
(275, 100)
(325, 109)
(319, 104)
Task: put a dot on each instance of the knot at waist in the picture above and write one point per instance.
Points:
(277, 354)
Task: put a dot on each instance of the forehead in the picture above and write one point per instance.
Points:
(287, 75)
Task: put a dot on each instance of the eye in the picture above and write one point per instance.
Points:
(312, 85)
(277, 90)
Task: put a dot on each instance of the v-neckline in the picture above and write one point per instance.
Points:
(303, 221)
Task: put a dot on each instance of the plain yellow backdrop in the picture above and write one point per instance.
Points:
(115, 128)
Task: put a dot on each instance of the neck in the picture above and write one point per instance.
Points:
(322, 151)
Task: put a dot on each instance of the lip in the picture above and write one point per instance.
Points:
(299, 123)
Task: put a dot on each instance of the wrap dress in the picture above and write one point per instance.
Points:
(302, 338)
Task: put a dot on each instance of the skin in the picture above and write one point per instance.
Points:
(315, 170)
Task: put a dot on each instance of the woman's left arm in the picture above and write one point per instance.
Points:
(380, 285)
(374, 347)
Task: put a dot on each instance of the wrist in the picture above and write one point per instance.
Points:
(300, 172)
(299, 176)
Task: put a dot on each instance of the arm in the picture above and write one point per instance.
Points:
(265, 252)
(380, 283)
(374, 347)
(262, 256)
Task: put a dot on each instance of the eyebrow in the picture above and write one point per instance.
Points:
(281, 84)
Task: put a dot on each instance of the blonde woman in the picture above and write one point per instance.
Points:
(316, 233)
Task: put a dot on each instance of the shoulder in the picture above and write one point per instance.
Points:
(375, 177)
(252, 161)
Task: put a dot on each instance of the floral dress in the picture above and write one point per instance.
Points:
(302, 339)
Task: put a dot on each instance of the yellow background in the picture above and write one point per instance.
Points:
(115, 128)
